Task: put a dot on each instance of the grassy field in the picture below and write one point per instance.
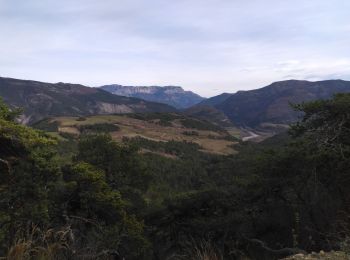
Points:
(211, 141)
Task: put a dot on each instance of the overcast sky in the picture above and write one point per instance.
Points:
(207, 46)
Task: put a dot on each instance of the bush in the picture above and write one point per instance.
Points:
(47, 125)
(200, 125)
(191, 133)
(81, 118)
(98, 128)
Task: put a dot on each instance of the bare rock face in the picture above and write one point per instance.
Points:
(40, 100)
(171, 95)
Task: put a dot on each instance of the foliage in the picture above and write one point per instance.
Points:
(46, 125)
(98, 128)
(227, 137)
(181, 149)
(39, 190)
(200, 125)
(165, 117)
(143, 199)
(81, 118)
(203, 250)
(42, 244)
(121, 163)
(326, 123)
(190, 133)
(29, 170)
(8, 114)
(99, 214)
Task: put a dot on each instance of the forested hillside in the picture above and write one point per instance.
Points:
(40, 100)
(271, 104)
(268, 106)
(87, 196)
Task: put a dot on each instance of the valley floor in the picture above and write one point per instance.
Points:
(210, 140)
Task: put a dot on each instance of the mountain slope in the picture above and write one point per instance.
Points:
(209, 113)
(206, 110)
(171, 95)
(271, 104)
(216, 100)
(40, 100)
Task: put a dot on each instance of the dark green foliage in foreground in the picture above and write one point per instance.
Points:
(8, 114)
(38, 192)
(125, 171)
(99, 213)
(288, 191)
(28, 172)
(326, 123)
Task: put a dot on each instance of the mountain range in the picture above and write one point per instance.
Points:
(270, 105)
(40, 100)
(254, 109)
(171, 95)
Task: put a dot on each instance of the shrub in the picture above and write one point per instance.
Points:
(98, 128)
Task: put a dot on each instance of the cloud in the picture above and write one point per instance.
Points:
(209, 46)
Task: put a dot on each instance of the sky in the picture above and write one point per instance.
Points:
(207, 46)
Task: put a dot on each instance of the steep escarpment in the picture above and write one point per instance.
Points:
(171, 95)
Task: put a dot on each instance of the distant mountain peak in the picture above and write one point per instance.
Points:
(172, 95)
(271, 104)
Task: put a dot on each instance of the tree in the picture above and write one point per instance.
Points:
(8, 114)
(123, 166)
(98, 216)
(326, 123)
(28, 171)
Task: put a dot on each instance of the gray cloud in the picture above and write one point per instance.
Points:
(209, 46)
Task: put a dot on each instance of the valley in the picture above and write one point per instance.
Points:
(155, 127)
(248, 174)
(175, 130)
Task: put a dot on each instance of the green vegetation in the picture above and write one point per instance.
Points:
(156, 116)
(165, 119)
(98, 128)
(87, 195)
(47, 125)
(160, 127)
(79, 198)
(172, 147)
(200, 124)
(81, 118)
(227, 137)
(191, 133)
